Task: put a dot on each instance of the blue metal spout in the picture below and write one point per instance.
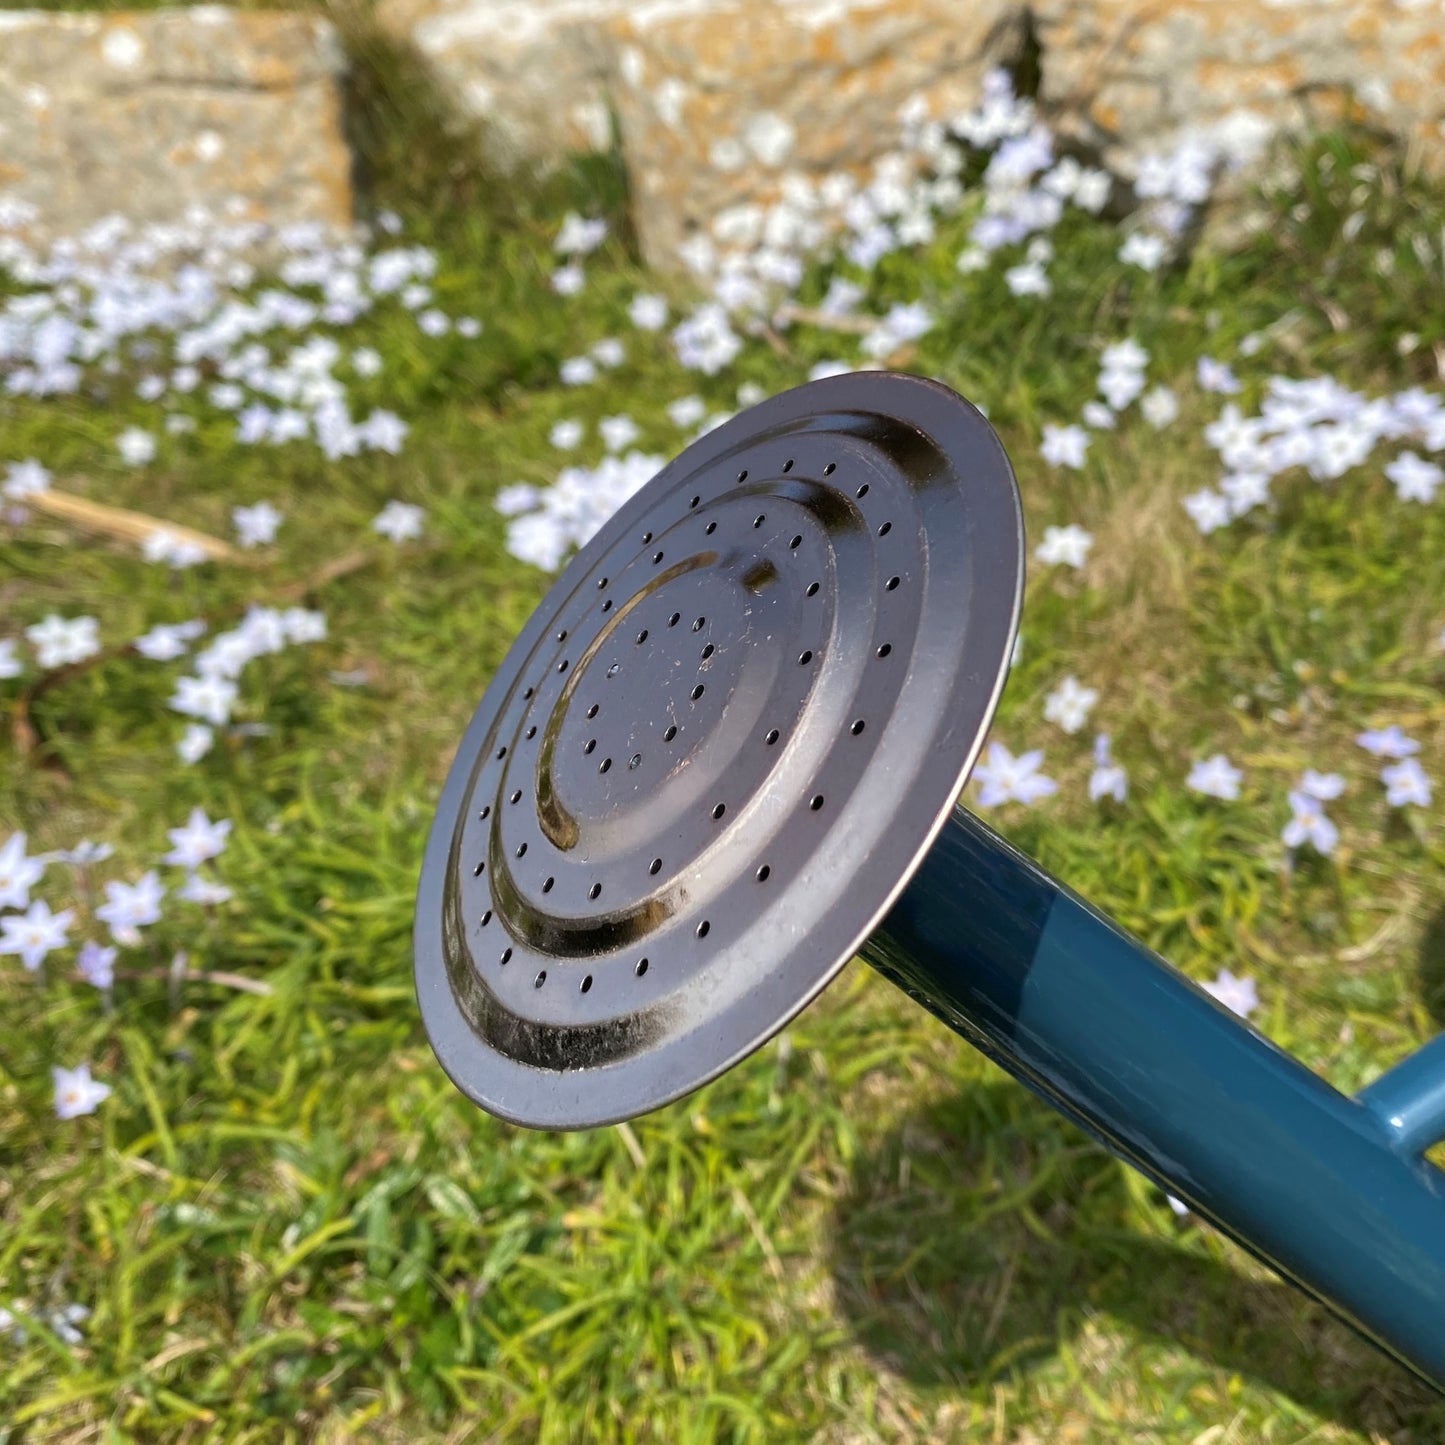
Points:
(1329, 1191)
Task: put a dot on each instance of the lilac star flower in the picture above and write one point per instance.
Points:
(1069, 704)
(197, 841)
(1216, 376)
(1064, 544)
(130, 906)
(202, 890)
(1064, 446)
(1322, 785)
(76, 1092)
(196, 743)
(18, 873)
(256, 526)
(96, 964)
(34, 933)
(1237, 994)
(1388, 742)
(211, 698)
(10, 664)
(399, 521)
(1309, 823)
(1407, 783)
(1005, 778)
(1216, 777)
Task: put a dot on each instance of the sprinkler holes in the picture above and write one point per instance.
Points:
(506, 955)
(517, 796)
(760, 519)
(671, 733)
(562, 636)
(697, 692)
(816, 803)
(743, 475)
(702, 929)
(891, 583)
(805, 658)
(485, 813)
(694, 501)
(479, 870)
(857, 727)
(642, 637)
(587, 984)
(797, 541)
(594, 891)
(540, 979)
(830, 469)
(710, 528)
(607, 606)
(885, 649)
(699, 624)
(646, 538)
(589, 745)
(527, 695)
(521, 850)
(655, 867)
(718, 811)
(634, 762)
(562, 666)
(862, 491)
(772, 737)
(885, 529)
(788, 465)
(763, 873)
(501, 753)
(656, 558)
(813, 589)
(592, 711)
(601, 584)
(603, 766)
(708, 651)
(674, 619)
(641, 967)
(486, 917)
(531, 732)
(547, 884)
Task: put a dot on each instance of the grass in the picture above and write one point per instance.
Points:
(288, 1223)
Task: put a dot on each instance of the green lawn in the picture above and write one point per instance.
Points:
(287, 1223)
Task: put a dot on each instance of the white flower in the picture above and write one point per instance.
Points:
(1388, 742)
(577, 236)
(1069, 704)
(1143, 250)
(18, 872)
(1322, 785)
(165, 642)
(1308, 823)
(1097, 415)
(203, 890)
(34, 933)
(163, 545)
(197, 841)
(1177, 1205)
(366, 361)
(130, 906)
(1406, 783)
(578, 370)
(1236, 994)
(1006, 778)
(1119, 387)
(568, 280)
(647, 312)
(195, 744)
(209, 697)
(136, 447)
(1064, 544)
(256, 525)
(1029, 279)
(686, 411)
(617, 432)
(82, 855)
(96, 964)
(468, 326)
(1126, 355)
(58, 642)
(608, 352)
(1160, 407)
(1216, 376)
(399, 521)
(384, 431)
(25, 479)
(1216, 777)
(1209, 510)
(1245, 490)
(1415, 480)
(1064, 445)
(10, 664)
(566, 434)
(303, 624)
(76, 1092)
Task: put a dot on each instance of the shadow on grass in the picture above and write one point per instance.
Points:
(954, 1284)
(1432, 967)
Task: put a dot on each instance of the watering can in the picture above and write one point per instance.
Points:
(723, 758)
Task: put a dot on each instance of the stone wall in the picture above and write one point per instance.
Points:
(148, 115)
